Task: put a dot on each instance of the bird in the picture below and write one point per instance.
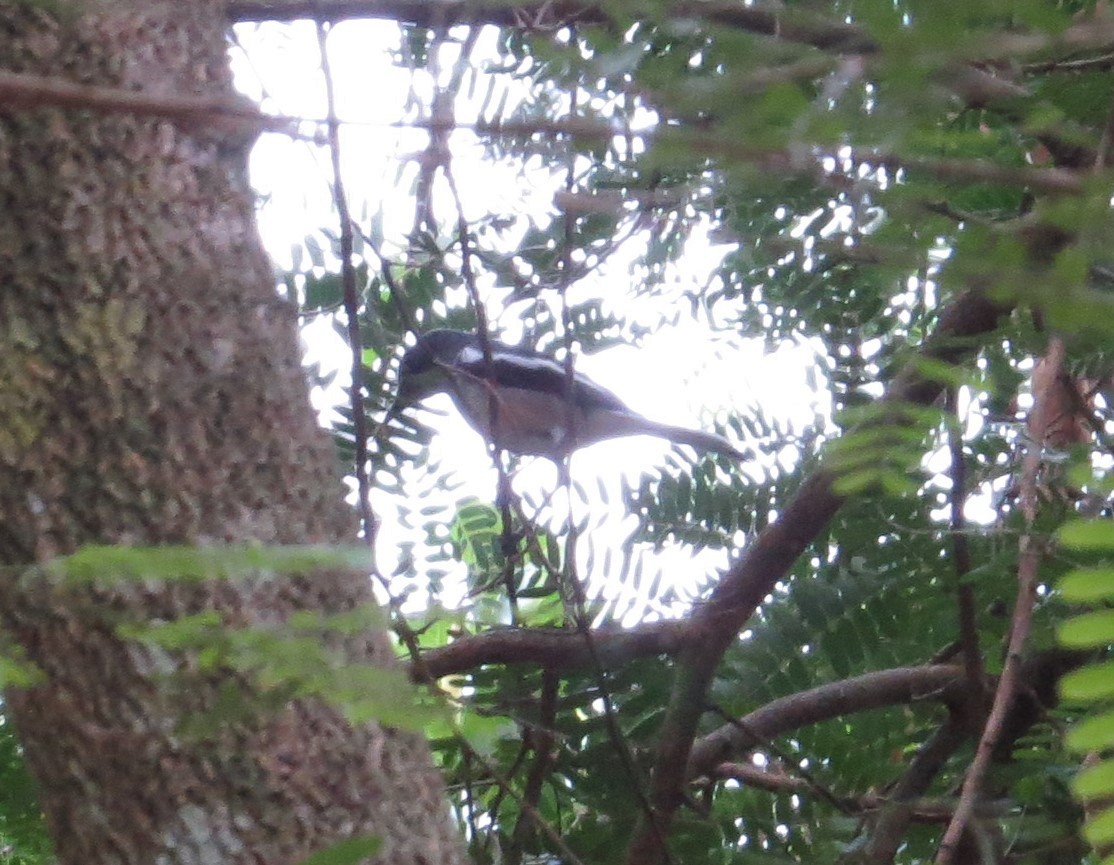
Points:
(537, 409)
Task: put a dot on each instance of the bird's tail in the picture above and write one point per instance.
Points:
(702, 441)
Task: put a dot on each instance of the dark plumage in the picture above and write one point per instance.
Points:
(529, 392)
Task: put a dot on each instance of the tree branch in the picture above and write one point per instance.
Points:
(1051, 181)
(245, 120)
(889, 831)
(554, 648)
(938, 682)
(1027, 575)
(766, 19)
(1094, 32)
(920, 810)
(715, 625)
(961, 550)
(24, 90)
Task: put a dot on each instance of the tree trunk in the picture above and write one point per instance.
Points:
(151, 394)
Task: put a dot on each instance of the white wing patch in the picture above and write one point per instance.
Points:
(538, 363)
(469, 354)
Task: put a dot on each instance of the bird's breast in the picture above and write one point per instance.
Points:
(520, 420)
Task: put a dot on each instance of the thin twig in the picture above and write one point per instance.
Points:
(1098, 63)
(394, 291)
(1027, 575)
(766, 18)
(20, 90)
(961, 551)
(24, 90)
(570, 578)
(504, 492)
(527, 809)
(444, 120)
(470, 799)
(351, 302)
(927, 763)
(919, 810)
(542, 741)
(939, 683)
(355, 342)
(1106, 144)
(766, 743)
(1051, 181)
(766, 560)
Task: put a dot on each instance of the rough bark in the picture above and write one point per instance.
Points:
(151, 393)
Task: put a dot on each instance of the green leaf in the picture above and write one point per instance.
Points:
(856, 482)
(939, 371)
(364, 693)
(323, 292)
(195, 630)
(1093, 682)
(484, 732)
(1095, 535)
(107, 564)
(1095, 782)
(18, 673)
(477, 535)
(1100, 831)
(315, 250)
(346, 852)
(1088, 630)
(548, 611)
(361, 619)
(1095, 733)
(1087, 585)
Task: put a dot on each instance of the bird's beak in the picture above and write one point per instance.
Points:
(414, 387)
(408, 393)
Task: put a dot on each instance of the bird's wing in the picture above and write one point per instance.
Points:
(528, 370)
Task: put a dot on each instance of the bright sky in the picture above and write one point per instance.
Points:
(678, 374)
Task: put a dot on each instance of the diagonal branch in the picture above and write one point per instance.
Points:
(1027, 576)
(874, 690)
(716, 624)
(889, 831)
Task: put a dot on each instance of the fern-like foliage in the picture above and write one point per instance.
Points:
(1093, 684)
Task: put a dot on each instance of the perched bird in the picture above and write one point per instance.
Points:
(530, 394)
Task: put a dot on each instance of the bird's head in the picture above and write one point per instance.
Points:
(422, 371)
